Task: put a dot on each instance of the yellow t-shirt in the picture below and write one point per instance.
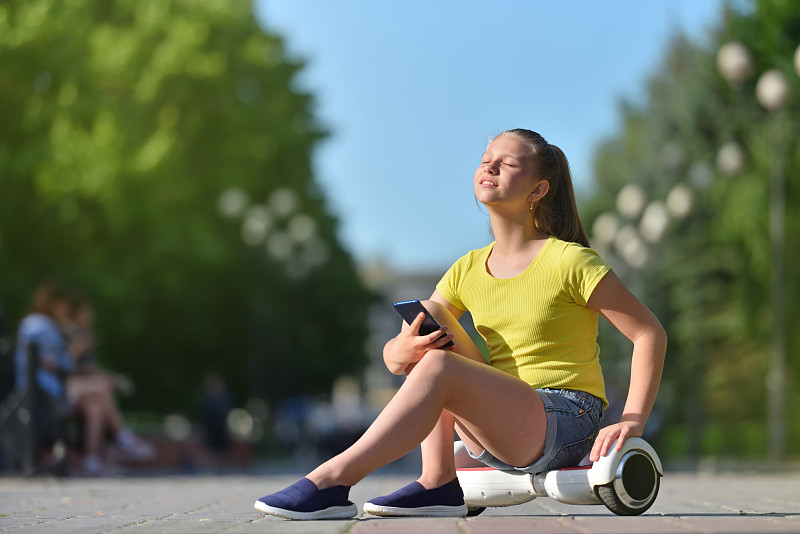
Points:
(536, 325)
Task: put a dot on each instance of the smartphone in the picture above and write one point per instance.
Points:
(409, 309)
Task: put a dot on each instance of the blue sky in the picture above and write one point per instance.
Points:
(412, 90)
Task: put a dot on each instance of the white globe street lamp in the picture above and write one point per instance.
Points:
(232, 202)
(655, 221)
(734, 63)
(772, 90)
(630, 246)
(797, 60)
(631, 200)
(730, 158)
(605, 228)
(680, 201)
(255, 224)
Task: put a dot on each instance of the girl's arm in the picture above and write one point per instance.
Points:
(636, 322)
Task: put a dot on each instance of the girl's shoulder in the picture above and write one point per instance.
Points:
(574, 261)
(570, 251)
(37, 319)
(474, 257)
(580, 269)
(37, 322)
(466, 264)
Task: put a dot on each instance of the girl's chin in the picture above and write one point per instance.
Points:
(486, 197)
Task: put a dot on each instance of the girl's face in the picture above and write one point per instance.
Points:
(84, 317)
(60, 311)
(505, 174)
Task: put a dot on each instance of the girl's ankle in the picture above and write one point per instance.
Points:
(432, 482)
(325, 482)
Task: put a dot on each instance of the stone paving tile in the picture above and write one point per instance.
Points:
(394, 525)
(732, 503)
(273, 525)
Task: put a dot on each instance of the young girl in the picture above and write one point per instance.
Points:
(535, 295)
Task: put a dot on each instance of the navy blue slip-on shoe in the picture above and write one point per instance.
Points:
(302, 500)
(415, 501)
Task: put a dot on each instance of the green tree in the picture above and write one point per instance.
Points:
(708, 276)
(126, 127)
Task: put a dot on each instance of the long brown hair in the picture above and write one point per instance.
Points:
(556, 213)
(45, 298)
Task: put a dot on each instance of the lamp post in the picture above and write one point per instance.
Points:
(772, 92)
(290, 240)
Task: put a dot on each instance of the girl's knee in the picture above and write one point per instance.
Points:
(435, 362)
(91, 410)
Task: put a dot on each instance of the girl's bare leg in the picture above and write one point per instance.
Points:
(445, 380)
(438, 465)
(98, 391)
(94, 426)
(112, 415)
(101, 415)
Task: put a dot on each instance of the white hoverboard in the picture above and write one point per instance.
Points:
(625, 481)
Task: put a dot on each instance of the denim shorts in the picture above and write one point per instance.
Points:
(573, 420)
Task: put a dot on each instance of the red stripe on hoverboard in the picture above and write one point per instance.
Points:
(477, 469)
(493, 469)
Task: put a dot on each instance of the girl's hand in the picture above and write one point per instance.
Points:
(409, 347)
(48, 363)
(79, 345)
(124, 384)
(621, 431)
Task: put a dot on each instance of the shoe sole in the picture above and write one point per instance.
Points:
(422, 511)
(334, 512)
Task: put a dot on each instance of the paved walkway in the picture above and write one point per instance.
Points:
(750, 502)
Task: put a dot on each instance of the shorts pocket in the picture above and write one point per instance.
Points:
(578, 420)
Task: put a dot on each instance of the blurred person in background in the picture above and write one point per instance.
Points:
(216, 403)
(91, 389)
(79, 326)
(40, 327)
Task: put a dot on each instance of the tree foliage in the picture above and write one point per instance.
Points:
(125, 125)
(708, 277)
